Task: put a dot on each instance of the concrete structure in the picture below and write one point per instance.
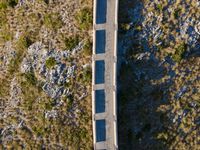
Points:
(105, 24)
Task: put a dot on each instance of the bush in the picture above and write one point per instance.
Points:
(160, 7)
(125, 26)
(71, 42)
(87, 75)
(23, 43)
(70, 101)
(177, 13)
(84, 18)
(6, 34)
(87, 49)
(12, 3)
(179, 53)
(50, 62)
(46, 1)
(138, 28)
(53, 21)
(48, 106)
(5, 3)
(3, 19)
(30, 78)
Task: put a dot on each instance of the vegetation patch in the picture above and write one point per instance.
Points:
(179, 53)
(87, 75)
(23, 42)
(71, 42)
(42, 118)
(53, 21)
(84, 18)
(125, 26)
(87, 49)
(160, 7)
(50, 62)
(177, 13)
(12, 3)
(21, 45)
(6, 34)
(3, 19)
(3, 5)
(30, 78)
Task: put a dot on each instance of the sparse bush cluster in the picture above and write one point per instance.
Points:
(53, 21)
(23, 42)
(21, 48)
(84, 18)
(22, 26)
(71, 42)
(86, 75)
(158, 88)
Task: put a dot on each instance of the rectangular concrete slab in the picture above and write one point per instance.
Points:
(100, 41)
(101, 11)
(100, 130)
(100, 101)
(100, 72)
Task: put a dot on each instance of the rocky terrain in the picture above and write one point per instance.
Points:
(159, 82)
(45, 74)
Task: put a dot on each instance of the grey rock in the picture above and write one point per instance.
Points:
(51, 114)
(181, 92)
(42, 69)
(26, 65)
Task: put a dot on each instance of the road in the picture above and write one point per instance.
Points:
(104, 65)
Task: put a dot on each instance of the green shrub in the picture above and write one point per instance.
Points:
(48, 106)
(87, 49)
(71, 42)
(21, 45)
(23, 42)
(179, 53)
(53, 21)
(87, 74)
(6, 34)
(70, 101)
(84, 18)
(138, 28)
(3, 5)
(46, 1)
(125, 26)
(30, 78)
(3, 19)
(12, 3)
(50, 62)
(4, 87)
(177, 13)
(13, 65)
(162, 135)
(160, 7)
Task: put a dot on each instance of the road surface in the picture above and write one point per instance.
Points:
(104, 63)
